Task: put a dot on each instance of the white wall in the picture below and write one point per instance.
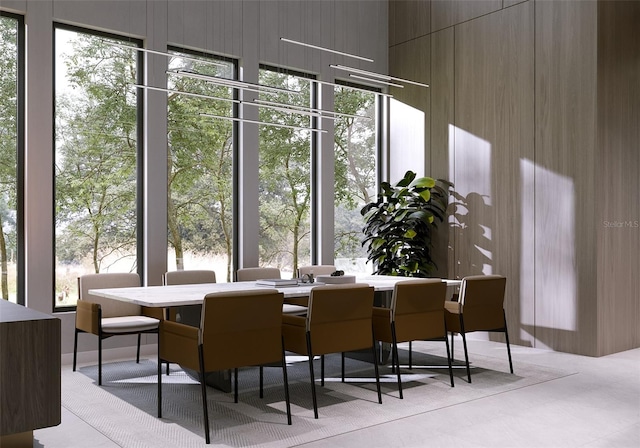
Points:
(242, 29)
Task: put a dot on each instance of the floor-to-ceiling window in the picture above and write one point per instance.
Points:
(96, 157)
(11, 148)
(200, 171)
(285, 171)
(355, 172)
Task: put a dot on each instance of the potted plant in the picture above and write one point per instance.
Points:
(399, 225)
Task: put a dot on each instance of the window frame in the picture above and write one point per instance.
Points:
(140, 132)
(314, 228)
(20, 154)
(235, 135)
(380, 129)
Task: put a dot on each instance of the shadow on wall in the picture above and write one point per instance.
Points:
(465, 211)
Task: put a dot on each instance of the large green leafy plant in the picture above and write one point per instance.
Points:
(399, 225)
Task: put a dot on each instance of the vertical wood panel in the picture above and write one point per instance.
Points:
(129, 18)
(410, 60)
(445, 13)
(565, 220)
(494, 109)
(442, 150)
(619, 168)
(408, 19)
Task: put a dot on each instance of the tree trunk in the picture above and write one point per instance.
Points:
(3, 261)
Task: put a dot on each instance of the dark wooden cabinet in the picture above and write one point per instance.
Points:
(29, 370)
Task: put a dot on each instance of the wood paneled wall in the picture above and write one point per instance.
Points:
(565, 227)
(493, 134)
(530, 120)
(618, 162)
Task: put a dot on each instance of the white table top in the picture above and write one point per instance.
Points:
(179, 295)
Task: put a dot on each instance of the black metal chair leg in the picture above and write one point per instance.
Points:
(100, 360)
(285, 378)
(261, 382)
(452, 356)
(410, 356)
(375, 366)
(235, 385)
(167, 368)
(313, 381)
(203, 384)
(138, 351)
(464, 343)
(506, 334)
(397, 358)
(393, 360)
(446, 341)
(322, 371)
(159, 385)
(75, 349)
(159, 379)
(342, 367)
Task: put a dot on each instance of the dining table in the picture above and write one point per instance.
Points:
(193, 294)
(189, 298)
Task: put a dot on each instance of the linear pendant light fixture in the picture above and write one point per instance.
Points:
(246, 120)
(376, 75)
(232, 83)
(317, 47)
(182, 92)
(162, 53)
(333, 84)
(256, 103)
(379, 81)
(320, 113)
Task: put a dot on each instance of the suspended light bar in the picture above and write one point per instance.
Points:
(226, 82)
(181, 92)
(288, 109)
(169, 55)
(317, 47)
(376, 75)
(256, 103)
(379, 81)
(327, 83)
(320, 112)
(299, 128)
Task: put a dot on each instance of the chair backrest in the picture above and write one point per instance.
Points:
(340, 318)
(253, 274)
(110, 307)
(320, 269)
(241, 328)
(189, 277)
(417, 307)
(482, 301)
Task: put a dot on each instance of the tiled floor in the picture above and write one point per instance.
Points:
(597, 407)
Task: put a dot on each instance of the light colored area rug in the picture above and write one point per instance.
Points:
(124, 408)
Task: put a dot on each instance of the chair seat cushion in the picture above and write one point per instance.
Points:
(128, 324)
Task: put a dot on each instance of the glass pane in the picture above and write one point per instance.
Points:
(355, 174)
(8, 155)
(285, 176)
(200, 183)
(95, 160)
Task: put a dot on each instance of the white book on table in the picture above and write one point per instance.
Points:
(277, 282)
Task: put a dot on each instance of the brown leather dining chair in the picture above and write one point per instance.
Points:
(106, 317)
(237, 329)
(416, 313)
(319, 269)
(253, 274)
(186, 277)
(339, 319)
(480, 307)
